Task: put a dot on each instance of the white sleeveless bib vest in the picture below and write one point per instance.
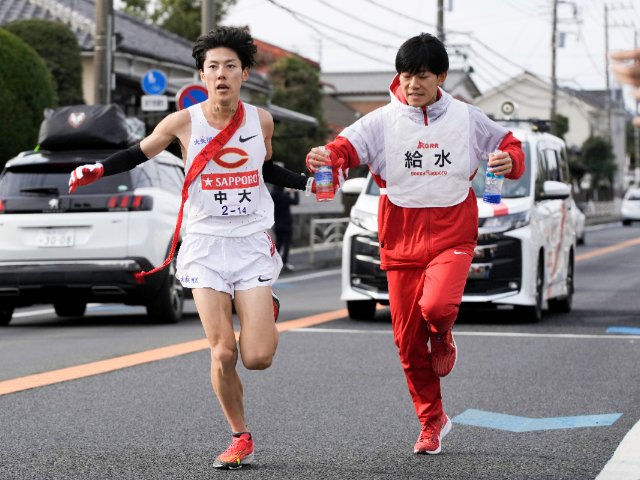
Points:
(229, 198)
(427, 165)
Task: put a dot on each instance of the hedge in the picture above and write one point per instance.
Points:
(26, 89)
(58, 47)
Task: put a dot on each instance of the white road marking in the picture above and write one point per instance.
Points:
(478, 334)
(625, 462)
(299, 278)
(33, 313)
(47, 311)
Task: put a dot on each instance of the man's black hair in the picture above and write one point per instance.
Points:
(237, 39)
(420, 53)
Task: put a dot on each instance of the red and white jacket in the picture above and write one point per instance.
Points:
(425, 158)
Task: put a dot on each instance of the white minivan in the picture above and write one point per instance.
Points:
(526, 244)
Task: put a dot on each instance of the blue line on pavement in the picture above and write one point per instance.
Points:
(513, 423)
(624, 330)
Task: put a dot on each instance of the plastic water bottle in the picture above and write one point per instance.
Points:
(324, 183)
(492, 186)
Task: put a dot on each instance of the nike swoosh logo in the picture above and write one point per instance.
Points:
(242, 140)
(262, 280)
(456, 252)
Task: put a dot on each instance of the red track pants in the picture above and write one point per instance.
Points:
(424, 300)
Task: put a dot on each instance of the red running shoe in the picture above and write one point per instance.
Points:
(443, 353)
(431, 435)
(239, 453)
(276, 306)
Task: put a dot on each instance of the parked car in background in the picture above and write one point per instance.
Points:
(526, 244)
(579, 222)
(630, 209)
(72, 249)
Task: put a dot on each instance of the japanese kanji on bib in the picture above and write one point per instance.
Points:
(427, 165)
(229, 198)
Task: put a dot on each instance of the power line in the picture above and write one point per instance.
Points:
(402, 15)
(353, 17)
(498, 54)
(324, 35)
(299, 15)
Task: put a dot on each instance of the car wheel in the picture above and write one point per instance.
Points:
(626, 222)
(361, 309)
(533, 313)
(6, 312)
(70, 309)
(564, 304)
(167, 304)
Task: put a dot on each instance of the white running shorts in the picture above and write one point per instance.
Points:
(227, 264)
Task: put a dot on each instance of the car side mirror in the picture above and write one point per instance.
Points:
(354, 186)
(552, 190)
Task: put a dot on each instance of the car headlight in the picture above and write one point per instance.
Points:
(505, 223)
(366, 220)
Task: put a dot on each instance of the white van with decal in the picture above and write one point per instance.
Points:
(526, 244)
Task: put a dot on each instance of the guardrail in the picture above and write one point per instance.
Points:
(602, 209)
(326, 233)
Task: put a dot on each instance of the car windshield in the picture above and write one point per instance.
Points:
(46, 179)
(510, 189)
(635, 195)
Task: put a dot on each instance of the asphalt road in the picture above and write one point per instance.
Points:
(335, 404)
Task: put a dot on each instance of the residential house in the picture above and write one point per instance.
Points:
(530, 96)
(139, 47)
(349, 95)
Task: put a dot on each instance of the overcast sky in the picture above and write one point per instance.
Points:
(500, 38)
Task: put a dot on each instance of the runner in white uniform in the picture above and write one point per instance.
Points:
(227, 246)
(226, 253)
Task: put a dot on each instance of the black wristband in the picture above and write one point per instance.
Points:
(123, 160)
(282, 177)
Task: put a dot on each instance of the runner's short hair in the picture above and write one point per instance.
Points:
(421, 53)
(237, 39)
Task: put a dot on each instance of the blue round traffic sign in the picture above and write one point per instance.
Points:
(190, 95)
(154, 82)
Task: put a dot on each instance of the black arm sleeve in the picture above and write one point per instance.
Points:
(282, 177)
(123, 160)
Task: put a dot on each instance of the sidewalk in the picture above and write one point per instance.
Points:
(300, 259)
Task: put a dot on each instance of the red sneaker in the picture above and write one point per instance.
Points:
(239, 453)
(431, 436)
(443, 353)
(276, 306)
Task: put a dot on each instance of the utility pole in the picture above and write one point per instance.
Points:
(102, 51)
(607, 99)
(554, 81)
(636, 131)
(441, 20)
(208, 13)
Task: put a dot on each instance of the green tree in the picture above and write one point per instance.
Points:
(58, 47)
(181, 17)
(26, 89)
(562, 125)
(597, 158)
(296, 85)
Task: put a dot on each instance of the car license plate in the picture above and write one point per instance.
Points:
(55, 237)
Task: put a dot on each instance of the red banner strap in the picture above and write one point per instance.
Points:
(208, 152)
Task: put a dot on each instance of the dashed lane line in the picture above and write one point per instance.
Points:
(124, 361)
(478, 334)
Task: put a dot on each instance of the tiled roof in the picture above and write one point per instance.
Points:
(377, 83)
(134, 36)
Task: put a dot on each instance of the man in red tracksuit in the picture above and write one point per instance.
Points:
(424, 148)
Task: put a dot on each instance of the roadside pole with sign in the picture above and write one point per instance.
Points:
(154, 84)
(190, 95)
